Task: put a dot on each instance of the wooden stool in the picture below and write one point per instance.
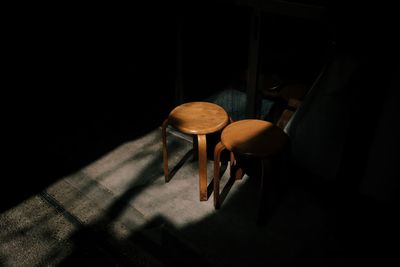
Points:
(196, 118)
(249, 138)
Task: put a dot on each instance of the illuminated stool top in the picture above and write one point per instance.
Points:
(198, 118)
(256, 138)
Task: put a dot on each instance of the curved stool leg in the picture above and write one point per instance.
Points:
(236, 171)
(266, 197)
(232, 163)
(261, 205)
(202, 166)
(195, 147)
(217, 159)
(165, 149)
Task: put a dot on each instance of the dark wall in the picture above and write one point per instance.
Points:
(82, 80)
(214, 46)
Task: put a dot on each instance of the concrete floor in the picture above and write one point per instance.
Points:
(118, 211)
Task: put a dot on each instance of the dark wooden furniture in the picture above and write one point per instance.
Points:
(198, 119)
(257, 139)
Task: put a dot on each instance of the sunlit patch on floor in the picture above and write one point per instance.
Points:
(119, 209)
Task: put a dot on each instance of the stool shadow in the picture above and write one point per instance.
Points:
(179, 164)
(228, 185)
(210, 186)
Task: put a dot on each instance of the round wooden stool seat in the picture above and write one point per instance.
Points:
(256, 138)
(198, 119)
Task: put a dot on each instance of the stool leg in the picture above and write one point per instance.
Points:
(217, 159)
(165, 149)
(232, 163)
(261, 206)
(234, 169)
(195, 147)
(267, 192)
(202, 166)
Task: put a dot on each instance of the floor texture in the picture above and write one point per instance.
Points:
(118, 211)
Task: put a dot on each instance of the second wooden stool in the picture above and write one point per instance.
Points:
(251, 138)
